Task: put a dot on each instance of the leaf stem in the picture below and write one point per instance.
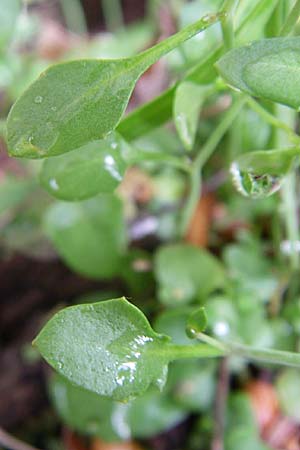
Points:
(153, 54)
(74, 16)
(113, 14)
(266, 355)
(202, 157)
(213, 347)
(288, 191)
(227, 23)
(291, 20)
(174, 352)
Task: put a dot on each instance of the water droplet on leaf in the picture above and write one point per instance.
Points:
(254, 185)
(260, 174)
(196, 323)
(38, 99)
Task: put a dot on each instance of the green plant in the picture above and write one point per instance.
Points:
(72, 115)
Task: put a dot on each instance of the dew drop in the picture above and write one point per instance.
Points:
(38, 99)
(53, 184)
(254, 185)
(182, 125)
(207, 18)
(53, 108)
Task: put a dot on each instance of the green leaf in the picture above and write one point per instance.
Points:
(95, 168)
(107, 347)
(87, 412)
(153, 413)
(90, 235)
(194, 383)
(172, 323)
(76, 102)
(268, 68)
(93, 414)
(288, 390)
(185, 273)
(158, 111)
(189, 99)
(196, 323)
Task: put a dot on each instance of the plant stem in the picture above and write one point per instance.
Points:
(220, 405)
(267, 355)
(113, 15)
(174, 352)
(291, 20)
(288, 191)
(202, 157)
(74, 16)
(290, 205)
(227, 24)
(273, 120)
(256, 354)
(151, 55)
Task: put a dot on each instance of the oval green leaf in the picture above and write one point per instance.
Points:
(95, 168)
(196, 323)
(86, 411)
(90, 235)
(76, 102)
(185, 273)
(106, 347)
(188, 102)
(269, 68)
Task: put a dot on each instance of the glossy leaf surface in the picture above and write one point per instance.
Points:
(186, 273)
(89, 236)
(188, 101)
(76, 102)
(268, 68)
(95, 168)
(107, 347)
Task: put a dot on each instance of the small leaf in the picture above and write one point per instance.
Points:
(76, 102)
(153, 413)
(261, 173)
(86, 411)
(189, 99)
(268, 68)
(107, 347)
(288, 389)
(96, 168)
(194, 384)
(95, 415)
(196, 323)
(186, 273)
(90, 235)
(172, 322)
